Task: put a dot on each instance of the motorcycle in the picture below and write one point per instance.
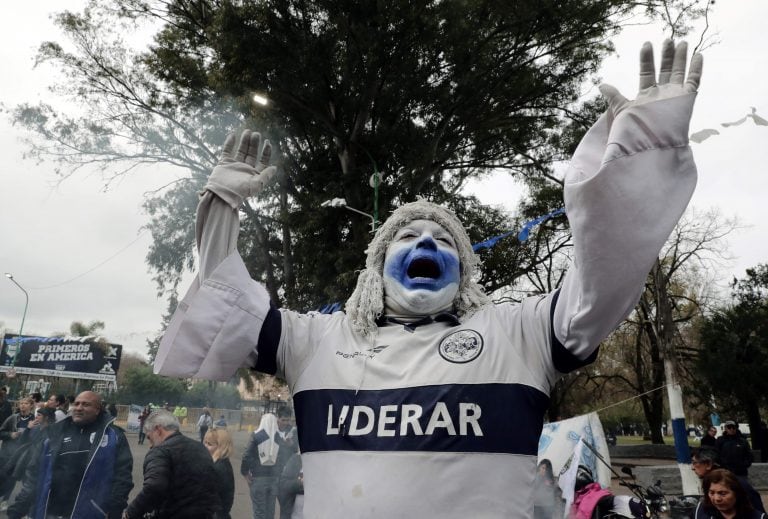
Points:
(646, 503)
(591, 500)
(652, 495)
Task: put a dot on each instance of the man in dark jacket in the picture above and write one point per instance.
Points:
(179, 479)
(734, 450)
(83, 469)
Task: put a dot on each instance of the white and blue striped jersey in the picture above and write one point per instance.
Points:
(443, 419)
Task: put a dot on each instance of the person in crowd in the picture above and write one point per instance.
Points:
(177, 412)
(286, 440)
(82, 469)
(710, 438)
(219, 445)
(204, 422)
(705, 460)
(734, 451)
(13, 433)
(763, 442)
(179, 477)
(38, 398)
(6, 409)
(258, 467)
(547, 500)
(724, 498)
(401, 380)
(290, 489)
(221, 422)
(57, 403)
(112, 408)
(29, 442)
(142, 419)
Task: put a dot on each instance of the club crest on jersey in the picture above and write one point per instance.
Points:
(461, 346)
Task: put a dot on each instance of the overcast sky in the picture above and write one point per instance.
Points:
(78, 251)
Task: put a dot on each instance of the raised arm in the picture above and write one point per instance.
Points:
(628, 183)
(216, 326)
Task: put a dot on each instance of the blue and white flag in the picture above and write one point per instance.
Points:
(560, 440)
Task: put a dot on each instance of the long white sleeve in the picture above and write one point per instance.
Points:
(217, 324)
(627, 186)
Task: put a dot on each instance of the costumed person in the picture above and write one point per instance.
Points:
(424, 387)
(259, 467)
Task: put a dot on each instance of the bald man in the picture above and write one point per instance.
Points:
(83, 469)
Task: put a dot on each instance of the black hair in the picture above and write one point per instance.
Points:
(284, 412)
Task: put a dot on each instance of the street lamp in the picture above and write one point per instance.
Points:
(340, 202)
(24, 316)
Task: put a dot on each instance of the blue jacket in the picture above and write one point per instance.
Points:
(104, 485)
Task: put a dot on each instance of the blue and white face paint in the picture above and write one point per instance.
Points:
(421, 270)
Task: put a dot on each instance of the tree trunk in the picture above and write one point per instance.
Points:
(753, 417)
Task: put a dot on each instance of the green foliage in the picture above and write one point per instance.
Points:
(204, 394)
(141, 386)
(734, 348)
(428, 94)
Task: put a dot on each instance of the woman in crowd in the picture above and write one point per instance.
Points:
(724, 498)
(219, 444)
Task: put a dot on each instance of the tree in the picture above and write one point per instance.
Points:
(221, 396)
(141, 386)
(674, 295)
(428, 95)
(733, 337)
(80, 329)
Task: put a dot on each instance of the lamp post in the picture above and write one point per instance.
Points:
(24, 315)
(340, 202)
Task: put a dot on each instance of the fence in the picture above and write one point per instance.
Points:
(246, 418)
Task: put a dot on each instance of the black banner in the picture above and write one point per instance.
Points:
(69, 357)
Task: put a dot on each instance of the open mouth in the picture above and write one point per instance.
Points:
(423, 268)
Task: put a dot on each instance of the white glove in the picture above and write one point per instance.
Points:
(671, 77)
(243, 174)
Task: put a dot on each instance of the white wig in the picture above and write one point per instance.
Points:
(366, 304)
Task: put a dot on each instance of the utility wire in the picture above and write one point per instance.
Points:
(630, 398)
(113, 256)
